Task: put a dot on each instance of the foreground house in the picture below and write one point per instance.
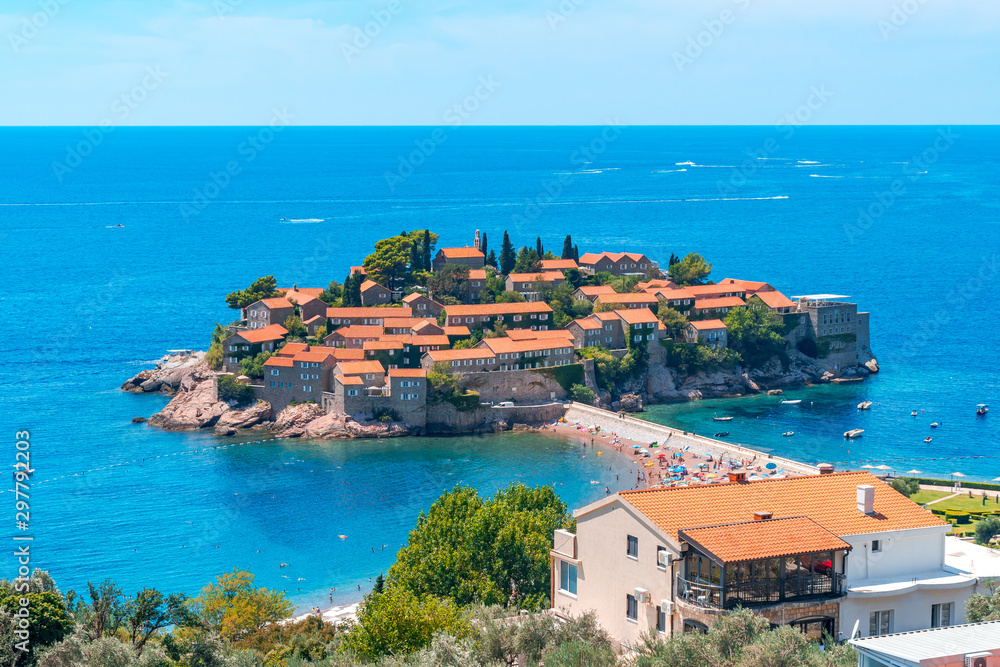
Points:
(373, 294)
(266, 312)
(528, 284)
(712, 333)
(470, 257)
(422, 305)
(820, 553)
(972, 645)
(250, 343)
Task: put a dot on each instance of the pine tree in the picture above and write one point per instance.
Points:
(567, 252)
(538, 247)
(482, 246)
(491, 259)
(673, 260)
(507, 255)
(426, 263)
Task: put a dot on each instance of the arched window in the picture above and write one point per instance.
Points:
(694, 627)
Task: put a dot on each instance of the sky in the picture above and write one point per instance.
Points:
(501, 62)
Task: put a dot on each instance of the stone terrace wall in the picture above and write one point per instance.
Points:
(443, 418)
(644, 431)
(523, 386)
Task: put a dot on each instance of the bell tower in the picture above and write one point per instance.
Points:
(477, 241)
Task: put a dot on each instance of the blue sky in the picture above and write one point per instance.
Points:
(564, 62)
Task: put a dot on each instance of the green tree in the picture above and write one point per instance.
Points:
(674, 322)
(986, 529)
(48, 620)
(493, 551)
(692, 270)
(253, 367)
(491, 260)
(510, 297)
(607, 367)
(507, 256)
(416, 258)
(149, 612)
(755, 333)
(296, 329)
(427, 246)
(464, 344)
(483, 247)
(539, 250)
(233, 391)
(452, 280)
(576, 253)
(398, 621)
(567, 251)
(214, 356)
(388, 264)
(905, 485)
(528, 261)
(262, 288)
(235, 609)
(352, 291)
(332, 294)
(583, 394)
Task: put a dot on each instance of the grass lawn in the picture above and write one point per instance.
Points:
(960, 502)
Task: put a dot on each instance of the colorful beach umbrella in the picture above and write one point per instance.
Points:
(771, 466)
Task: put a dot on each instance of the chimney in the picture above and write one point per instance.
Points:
(866, 499)
(295, 288)
(762, 516)
(737, 475)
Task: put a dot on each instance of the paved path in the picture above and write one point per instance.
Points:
(940, 500)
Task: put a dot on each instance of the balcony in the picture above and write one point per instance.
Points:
(759, 593)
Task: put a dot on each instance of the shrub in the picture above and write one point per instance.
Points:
(232, 390)
(566, 376)
(906, 485)
(987, 529)
(582, 394)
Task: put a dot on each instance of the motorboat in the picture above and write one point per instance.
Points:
(982, 409)
(788, 434)
(854, 433)
(722, 434)
(722, 419)
(864, 405)
(794, 401)
(913, 414)
(928, 439)
(934, 424)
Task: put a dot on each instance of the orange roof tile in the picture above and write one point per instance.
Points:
(633, 297)
(829, 500)
(721, 302)
(456, 355)
(369, 311)
(775, 299)
(461, 330)
(607, 316)
(747, 285)
(649, 285)
(587, 323)
(770, 538)
(300, 297)
(406, 322)
(537, 276)
(359, 367)
(370, 284)
(358, 331)
(268, 333)
(410, 298)
(637, 316)
(672, 294)
(284, 362)
(279, 302)
(316, 354)
(711, 291)
(343, 354)
(477, 274)
(558, 264)
(311, 291)
(480, 309)
(348, 379)
(407, 372)
(705, 325)
(528, 334)
(505, 345)
(291, 349)
(382, 345)
(454, 253)
(594, 290)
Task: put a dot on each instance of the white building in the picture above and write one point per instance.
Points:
(819, 552)
(972, 645)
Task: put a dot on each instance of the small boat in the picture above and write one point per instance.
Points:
(788, 434)
(913, 414)
(928, 439)
(722, 434)
(934, 424)
(864, 405)
(854, 433)
(722, 419)
(795, 401)
(982, 409)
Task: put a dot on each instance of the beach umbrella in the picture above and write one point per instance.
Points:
(771, 466)
(995, 479)
(913, 472)
(957, 474)
(867, 466)
(644, 451)
(636, 446)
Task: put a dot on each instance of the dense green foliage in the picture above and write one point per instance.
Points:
(214, 356)
(451, 280)
(332, 294)
(443, 386)
(692, 270)
(583, 394)
(253, 367)
(980, 607)
(986, 529)
(47, 616)
(262, 288)
(507, 256)
(607, 367)
(566, 376)
(674, 322)
(755, 333)
(295, 327)
(232, 390)
(492, 551)
(235, 609)
(905, 485)
(528, 261)
(689, 359)
(388, 264)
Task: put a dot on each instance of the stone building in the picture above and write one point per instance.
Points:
(422, 305)
(401, 396)
(712, 333)
(527, 284)
(338, 317)
(266, 312)
(373, 294)
(534, 315)
(250, 343)
(616, 263)
(470, 257)
(839, 331)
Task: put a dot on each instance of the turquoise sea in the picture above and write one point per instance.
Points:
(902, 219)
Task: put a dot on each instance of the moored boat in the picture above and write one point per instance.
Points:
(854, 433)
(928, 439)
(722, 419)
(982, 409)
(792, 402)
(788, 434)
(864, 405)
(722, 434)
(934, 424)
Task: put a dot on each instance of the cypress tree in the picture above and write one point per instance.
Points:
(567, 252)
(416, 258)
(345, 294)
(356, 289)
(538, 247)
(483, 247)
(426, 264)
(576, 253)
(491, 259)
(507, 256)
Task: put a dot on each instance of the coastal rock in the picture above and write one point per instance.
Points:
(224, 430)
(631, 402)
(139, 420)
(872, 365)
(376, 429)
(197, 407)
(169, 374)
(252, 415)
(325, 426)
(775, 392)
(292, 421)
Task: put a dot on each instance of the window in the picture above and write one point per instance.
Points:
(567, 577)
(272, 383)
(661, 619)
(632, 549)
(232, 360)
(941, 614)
(306, 388)
(517, 318)
(694, 627)
(352, 392)
(631, 608)
(274, 371)
(880, 623)
(876, 546)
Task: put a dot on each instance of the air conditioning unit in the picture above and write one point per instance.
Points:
(664, 558)
(641, 595)
(667, 607)
(985, 659)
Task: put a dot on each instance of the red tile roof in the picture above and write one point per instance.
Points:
(407, 372)
(593, 258)
(558, 264)
(455, 253)
(594, 290)
(498, 309)
(291, 349)
(456, 355)
(300, 297)
(348, 379)
(649, 285)
(406, 322)
(829, 500)
(775, 299)
(721, 302)
(747, 285)
(382, 345)
(706, 325)
(457, 331)
(371, 284)
(316, 354)
(279, 302)
(359, 367)
(268, 333)
(711, 291)
(358, 331)
(343, 354)
(632, 297)
(369, 311)
(528, 334)
(410, 298)
(537, 277)
(477, 274)
(311, 291)
(587, 323)
(637, 315)
(505, 345)
(770, 538)
(284, 362)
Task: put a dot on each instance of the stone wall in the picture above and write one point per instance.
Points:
(443, 418)
(523, 386)
(643, 431)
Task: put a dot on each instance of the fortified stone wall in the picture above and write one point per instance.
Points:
(443, 418)
(523, 386)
